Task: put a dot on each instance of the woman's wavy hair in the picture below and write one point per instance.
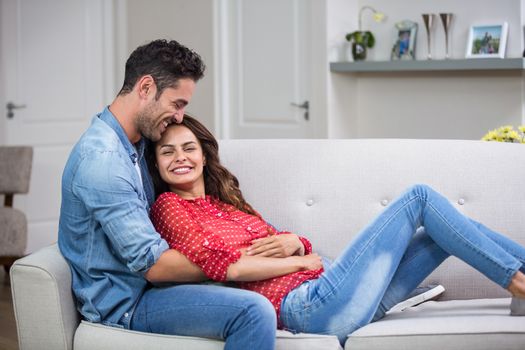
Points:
(219, 182)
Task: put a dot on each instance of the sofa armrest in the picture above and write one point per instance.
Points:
(44, 304)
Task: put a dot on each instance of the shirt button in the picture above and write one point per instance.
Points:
(310, 202)
(384, 202)
(205, 242)
(249, 228)
(126, 315)
(461, 201)
(219, 214)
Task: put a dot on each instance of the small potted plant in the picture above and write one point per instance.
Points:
(363, 40)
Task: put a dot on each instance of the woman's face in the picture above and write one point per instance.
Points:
(180, 162)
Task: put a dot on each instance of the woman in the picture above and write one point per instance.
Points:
(201, 212)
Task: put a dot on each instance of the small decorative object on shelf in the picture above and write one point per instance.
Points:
(487, 41)
(363, 40)
(506, 134)
(428, 19)
(405, 43)
(446, 19)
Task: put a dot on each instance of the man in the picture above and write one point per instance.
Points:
(105, 233)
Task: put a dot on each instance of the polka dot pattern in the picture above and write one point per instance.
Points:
(210, 234)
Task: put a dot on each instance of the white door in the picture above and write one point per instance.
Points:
(54, 65)
(266, 69)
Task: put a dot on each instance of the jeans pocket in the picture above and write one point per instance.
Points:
(295, 309)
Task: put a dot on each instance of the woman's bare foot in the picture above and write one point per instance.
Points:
(517, 285)
(517, 288)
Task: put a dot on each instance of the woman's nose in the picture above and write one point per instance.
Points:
(180, 157)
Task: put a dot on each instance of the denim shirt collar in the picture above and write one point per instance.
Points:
(135, 152)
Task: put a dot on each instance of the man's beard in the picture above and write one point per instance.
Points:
(146, 124)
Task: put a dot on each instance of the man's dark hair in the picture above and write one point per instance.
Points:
(166, 61)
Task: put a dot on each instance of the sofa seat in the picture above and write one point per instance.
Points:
(460, 324)
(90, 336)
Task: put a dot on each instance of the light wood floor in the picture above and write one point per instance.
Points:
(8, 337)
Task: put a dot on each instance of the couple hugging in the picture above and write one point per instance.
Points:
(148, 211)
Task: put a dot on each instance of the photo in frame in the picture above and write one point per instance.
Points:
(487, 41)
(405, 41)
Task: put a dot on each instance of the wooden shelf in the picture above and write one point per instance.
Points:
(478, 64)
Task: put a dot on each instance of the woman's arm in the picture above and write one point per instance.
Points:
(207, 250)
(257, 268)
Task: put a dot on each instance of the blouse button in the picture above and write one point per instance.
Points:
(219, 214)
(310, 202)
(249, 228)
(384, 202)
(205, 242)
(461, 201)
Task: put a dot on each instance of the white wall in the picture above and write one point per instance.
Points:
(342, 89)
(188, 22)
(427, 105)
(2, 93)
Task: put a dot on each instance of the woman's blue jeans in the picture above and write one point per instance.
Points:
(390, 258)
(244, 319)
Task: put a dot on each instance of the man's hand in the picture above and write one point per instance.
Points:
(277, 246)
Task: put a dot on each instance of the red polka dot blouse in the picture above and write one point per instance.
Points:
(210, 234)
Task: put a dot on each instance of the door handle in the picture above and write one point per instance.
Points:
(306, 106)
(11, 108)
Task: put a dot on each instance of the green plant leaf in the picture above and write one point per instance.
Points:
(364, 38)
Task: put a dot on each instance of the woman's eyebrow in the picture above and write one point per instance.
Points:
(173, 146)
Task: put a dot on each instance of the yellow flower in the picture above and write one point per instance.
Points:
(506, 133)
(505, 129)
(513, 135)
(379, 17)
(490, 136)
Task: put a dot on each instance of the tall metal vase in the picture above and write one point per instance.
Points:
(428, 19)
(446, 19)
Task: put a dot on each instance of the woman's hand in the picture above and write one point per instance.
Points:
(276, 246)
(311, 261)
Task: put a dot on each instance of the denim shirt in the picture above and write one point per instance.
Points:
(105, 233)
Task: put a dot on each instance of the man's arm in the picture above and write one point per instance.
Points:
(172, 266)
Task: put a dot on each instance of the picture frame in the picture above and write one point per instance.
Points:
(405, 41)
(489, 40)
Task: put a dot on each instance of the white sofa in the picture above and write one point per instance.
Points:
(328, 190)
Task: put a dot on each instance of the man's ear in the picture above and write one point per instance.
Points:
(146, 86)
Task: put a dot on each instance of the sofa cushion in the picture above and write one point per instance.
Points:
(96, 336)
(457, 324)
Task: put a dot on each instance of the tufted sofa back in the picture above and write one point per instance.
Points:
(328, 190)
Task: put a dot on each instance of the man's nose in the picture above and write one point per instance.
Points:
(179, 115)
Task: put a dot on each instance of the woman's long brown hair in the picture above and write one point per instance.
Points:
(219, 182)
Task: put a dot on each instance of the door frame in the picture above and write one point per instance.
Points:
(224, 52)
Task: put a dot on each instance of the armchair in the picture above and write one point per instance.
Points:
(15, 172)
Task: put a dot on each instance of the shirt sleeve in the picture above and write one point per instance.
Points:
(106, 184)
(185, 234)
